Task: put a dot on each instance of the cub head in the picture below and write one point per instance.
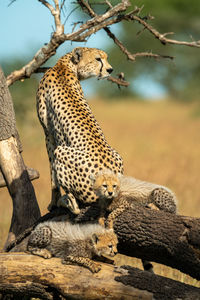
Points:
(91, 62)
(106, 185)
(105, 244)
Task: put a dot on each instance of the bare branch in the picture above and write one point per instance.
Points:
(88, 28)
(118, 81)
(162, 37)
(56, 14)
(113, 15)
(28, 276)
(86, 7)
(131, 56)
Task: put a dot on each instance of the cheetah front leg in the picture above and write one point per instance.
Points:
(55, 189)
(82, 261)
(69, 201)
(114, 214)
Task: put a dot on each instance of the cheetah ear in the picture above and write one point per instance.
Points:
(95, 238)
(76, 55)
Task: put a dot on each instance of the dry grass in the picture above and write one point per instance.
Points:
(159, 143)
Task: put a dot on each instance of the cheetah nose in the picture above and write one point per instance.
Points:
(110, 193)
(109, 70)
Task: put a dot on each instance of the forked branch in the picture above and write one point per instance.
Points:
(113, 14)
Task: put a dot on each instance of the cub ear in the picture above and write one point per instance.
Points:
(76, 55)
(95, 238)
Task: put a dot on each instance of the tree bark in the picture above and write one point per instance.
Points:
(25, 207)
(161, 237)
(148, 234)
(157, 236)
(32, 173)
(22, 274)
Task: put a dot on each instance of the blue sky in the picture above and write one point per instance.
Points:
(26, 25)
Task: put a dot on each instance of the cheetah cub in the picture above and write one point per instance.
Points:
(115, 192)
(73, 243)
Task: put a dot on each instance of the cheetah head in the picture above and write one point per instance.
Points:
(105, 244)
(106, 184)
(91, 62)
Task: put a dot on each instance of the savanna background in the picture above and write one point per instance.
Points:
(154, 124)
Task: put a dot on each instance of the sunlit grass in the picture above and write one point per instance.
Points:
(159, 142)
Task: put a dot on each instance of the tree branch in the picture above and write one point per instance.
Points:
(118, 81)
(113, 15)
(59, 37)
(157, 236)
(29, 275)
(147, 234)
(56, 14)
(87, 8)
(161, 36)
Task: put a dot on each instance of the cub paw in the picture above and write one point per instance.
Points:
(95, 268)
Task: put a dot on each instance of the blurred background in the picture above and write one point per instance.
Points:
(154, 123)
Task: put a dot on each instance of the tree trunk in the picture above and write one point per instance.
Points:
(25, 207)
(32, 173)
(33, 276)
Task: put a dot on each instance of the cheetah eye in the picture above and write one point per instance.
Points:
(114, 186)
(98, 58)
(105, 186)
(110, 246)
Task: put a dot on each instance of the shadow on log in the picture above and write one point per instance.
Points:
(32, 173)
(33, 276)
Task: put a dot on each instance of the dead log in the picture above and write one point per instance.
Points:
(156, 236)
(25, 207)
(29, 275)
(168, 239)
(153, 235)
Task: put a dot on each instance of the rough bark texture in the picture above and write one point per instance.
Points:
(25, 208)
(7, 115)
(160, 237)
(23, 274)
(151, 235)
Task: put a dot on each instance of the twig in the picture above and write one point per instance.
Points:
(56, 14)
(118, 81)
(86, 7)
(162, 37)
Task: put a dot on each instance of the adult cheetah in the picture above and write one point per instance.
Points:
(75, 142)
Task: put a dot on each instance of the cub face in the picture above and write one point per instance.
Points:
(106, 185)
(91, 62)
(105, 244)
